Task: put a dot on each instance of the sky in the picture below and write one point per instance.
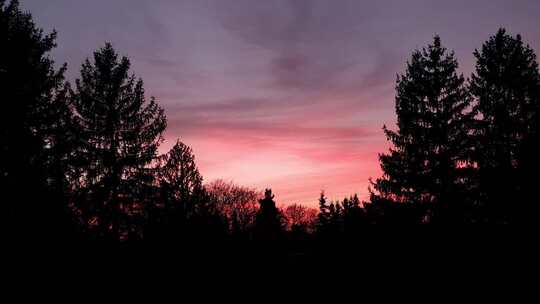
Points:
(287, 94)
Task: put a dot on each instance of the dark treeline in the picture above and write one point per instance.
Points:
(80, 161)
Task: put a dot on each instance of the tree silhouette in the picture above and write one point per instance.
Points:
(31, 121)
(300, 219)
(179, 177)
(121, 131)
(183, 206)
(354, 216)
(506, 87)
(341, 218)
(329, 219)
(269, 224)
(323, 218)
(88, 155)
(237, 205)
(430, 149)
(529, 161)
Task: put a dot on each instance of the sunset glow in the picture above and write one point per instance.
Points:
(288, 95)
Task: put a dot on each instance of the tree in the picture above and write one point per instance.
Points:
(354, 215)
(121, 131)
(323, 218)
(236, 204)
(269, 224)
(33, 98)
(429, 158)
(528, 208)
(300, 219)
(179, 176)
(505, 86)
(329, 219)
(183, 206)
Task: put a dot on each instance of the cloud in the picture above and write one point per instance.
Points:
(289, 93)
(311, 42)
(272, 131)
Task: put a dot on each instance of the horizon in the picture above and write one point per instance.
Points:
(270, 94)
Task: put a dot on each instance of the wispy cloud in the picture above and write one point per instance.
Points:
(289, 94)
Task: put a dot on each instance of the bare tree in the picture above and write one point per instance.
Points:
(300, 218)
(237, 204)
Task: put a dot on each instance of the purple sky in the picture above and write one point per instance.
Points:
(285, 94)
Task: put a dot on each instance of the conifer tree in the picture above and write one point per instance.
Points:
(33, 91)
(430, 149)
(120, 134)
(183, 203)
(269, 223)
(505, 86)
(353, 215)
(323, 216)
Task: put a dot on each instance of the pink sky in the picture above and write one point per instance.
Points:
(284, 94)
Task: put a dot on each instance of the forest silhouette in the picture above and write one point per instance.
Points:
(80, 161)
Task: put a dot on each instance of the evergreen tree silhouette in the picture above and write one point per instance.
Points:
(354, 216)
(528, 208)
(505, 85)
(61, 132)
(121, 131)
(336, 218)
(31, 122)
(183, 206)
(340, 218)
(179, 179)
(323, 218)
(269, 224)
(427, 164)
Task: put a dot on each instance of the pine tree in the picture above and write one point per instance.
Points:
(329, 218)
(336, 217)
(121, 131)
(179, 173)
(353, 215)
(506, 88)
(269, 224)
(527, 209)
(431, 145)
(323, 216)
(32, 89)
(183, 206)
(61, 134)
